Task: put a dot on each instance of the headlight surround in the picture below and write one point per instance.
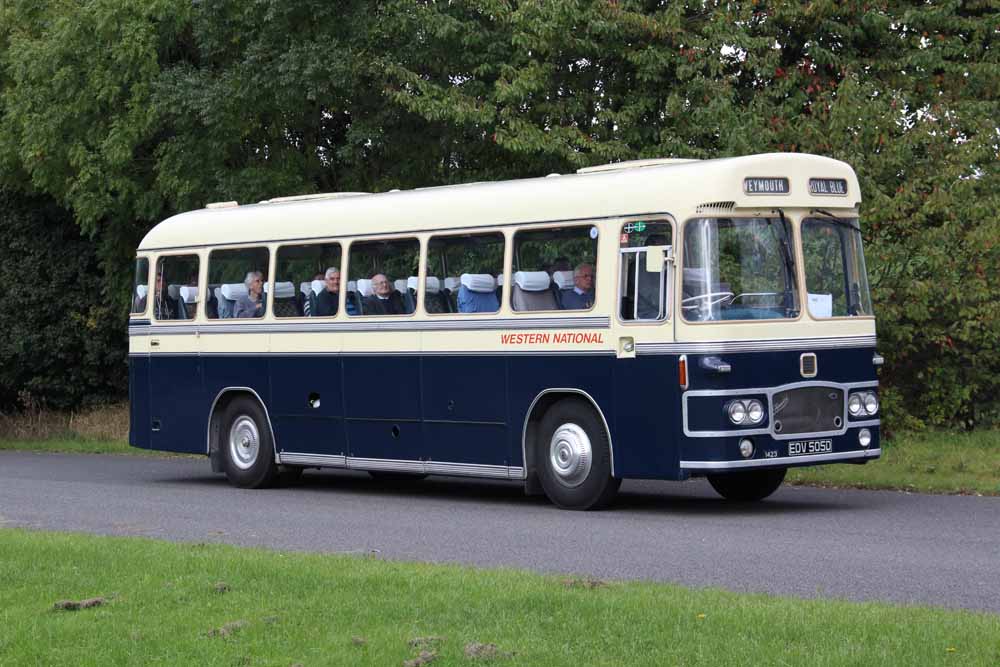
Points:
(755, 411)
(855, 405)
(871, 402)
(737, 412)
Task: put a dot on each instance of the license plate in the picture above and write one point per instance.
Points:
(803, 447)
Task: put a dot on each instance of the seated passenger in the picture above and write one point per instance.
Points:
(252, 304)
(477, 294)
(328, 300)
(581, 297)
(384, 299)
(163, 310)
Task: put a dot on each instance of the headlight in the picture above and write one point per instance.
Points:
(864, 438)
(871, 403)
(755, 411)
(737, 412)
(854, 404)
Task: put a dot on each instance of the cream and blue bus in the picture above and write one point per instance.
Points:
(656, 319)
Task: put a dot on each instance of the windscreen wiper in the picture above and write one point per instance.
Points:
(786, 256)
(835, 220)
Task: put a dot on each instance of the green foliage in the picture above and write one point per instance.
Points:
(62, 343)
(126, 111)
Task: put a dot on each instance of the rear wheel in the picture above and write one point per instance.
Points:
(247, 447)
(748, 486)
(573, 457)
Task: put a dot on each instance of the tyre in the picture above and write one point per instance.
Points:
(749, 486)
(246, 444)
(573, 457)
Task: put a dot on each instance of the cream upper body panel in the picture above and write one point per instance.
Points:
(593, 195)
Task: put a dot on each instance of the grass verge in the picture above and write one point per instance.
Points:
(151, 602)
(932, 461)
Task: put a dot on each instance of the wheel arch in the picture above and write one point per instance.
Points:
(223, 399)
(541, 403)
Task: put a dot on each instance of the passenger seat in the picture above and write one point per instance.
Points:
(563, 281)
(285, 304)
(477, 293)
(532, 291)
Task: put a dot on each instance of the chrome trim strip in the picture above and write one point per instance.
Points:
(524, 426)
(785, 460)
(714, 347)
(211, 410)
(770, 392)
(347, 326)
(380, 353)
(402, 465)
(318, 460)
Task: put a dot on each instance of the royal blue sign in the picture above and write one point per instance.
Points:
(828, 186)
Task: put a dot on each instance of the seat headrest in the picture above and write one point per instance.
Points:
(305, 287)
(400, 285)
(365, 287)
(352, 286)
(174, 291)
(432, 285)
(532, 281)
(478, 282)
(284, 290)
(233, 291)
(189, 293)
(452, 283)
(317, 286)
(564, 279)
(412, 282)
(141, 291)
(500, 280)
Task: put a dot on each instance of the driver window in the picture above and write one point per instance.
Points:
(642, 294)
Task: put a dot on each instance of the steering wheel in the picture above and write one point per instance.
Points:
(710, 299)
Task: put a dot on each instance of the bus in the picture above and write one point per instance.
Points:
(654, 319)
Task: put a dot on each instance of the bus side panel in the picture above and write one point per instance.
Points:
(138, 399)
(222, 372)
(178, 406)
(382, 406)
(647, 420)
(531, 375)
(307, 405)
(464, 408)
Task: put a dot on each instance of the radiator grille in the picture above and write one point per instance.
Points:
(808, 410)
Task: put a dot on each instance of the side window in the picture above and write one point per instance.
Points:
(175, 293)
(643, 294)
(236, 280)
(140, 286)
(307, 281)
(464, 273)
(381, 273)
(554, 268)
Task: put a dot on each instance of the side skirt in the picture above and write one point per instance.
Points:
(396, 465)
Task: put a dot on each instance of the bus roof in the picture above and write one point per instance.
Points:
(788, 180)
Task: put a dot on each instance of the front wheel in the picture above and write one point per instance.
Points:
(574, 457)
(247, 447)
(748, 486)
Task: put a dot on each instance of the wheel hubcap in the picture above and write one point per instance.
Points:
(244, 442)
(570, 454)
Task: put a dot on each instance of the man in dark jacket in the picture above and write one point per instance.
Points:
(385, 300)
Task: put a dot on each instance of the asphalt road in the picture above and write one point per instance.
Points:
(858, 545)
